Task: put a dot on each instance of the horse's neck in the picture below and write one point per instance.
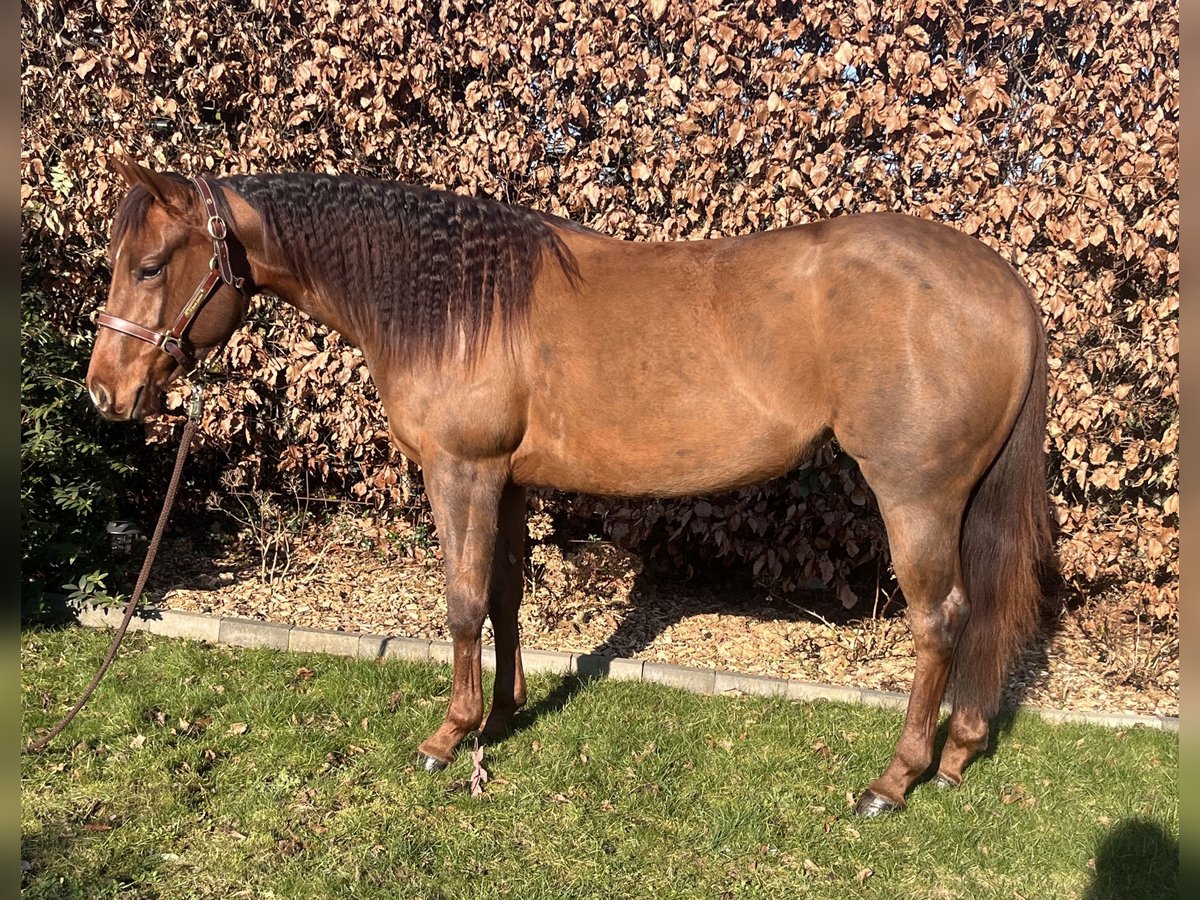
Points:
(308, 299)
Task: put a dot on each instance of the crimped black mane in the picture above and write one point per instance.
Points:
(415, 268)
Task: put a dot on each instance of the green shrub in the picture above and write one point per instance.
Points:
(75, 467)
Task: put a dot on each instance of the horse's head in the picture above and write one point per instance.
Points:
(176, 291)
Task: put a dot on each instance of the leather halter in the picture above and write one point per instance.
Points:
(173, 340)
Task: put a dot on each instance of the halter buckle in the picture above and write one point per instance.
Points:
(196, 405)
(171, 344)
(216, 228)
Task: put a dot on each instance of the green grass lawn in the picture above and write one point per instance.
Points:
(201, 771)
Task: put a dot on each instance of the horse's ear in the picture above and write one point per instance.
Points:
(168, 191)
(121, 165)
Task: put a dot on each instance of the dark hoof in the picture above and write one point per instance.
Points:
(944, 782)
(430, 763)
(870, 804)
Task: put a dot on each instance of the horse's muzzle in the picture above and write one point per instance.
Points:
(143, 403)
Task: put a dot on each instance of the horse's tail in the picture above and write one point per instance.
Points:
(1006, 544)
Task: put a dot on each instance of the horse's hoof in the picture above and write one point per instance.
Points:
(944, 782)
(871, 804)
(430, 763)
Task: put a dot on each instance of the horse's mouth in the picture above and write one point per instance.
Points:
(150, 400)
(141, 400)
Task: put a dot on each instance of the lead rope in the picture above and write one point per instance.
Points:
(195, 409)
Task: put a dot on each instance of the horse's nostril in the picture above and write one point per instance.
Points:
(99, 397)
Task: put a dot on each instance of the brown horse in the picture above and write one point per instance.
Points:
(512, 349)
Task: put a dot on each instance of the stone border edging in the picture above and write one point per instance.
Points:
(295, 638)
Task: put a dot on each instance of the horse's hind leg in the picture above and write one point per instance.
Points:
(465, 499)
(923, 535)
(966, 737)
(504, 601)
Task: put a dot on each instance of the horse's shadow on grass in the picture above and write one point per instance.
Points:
(644, 622)
(663, 601)
(1137, 858)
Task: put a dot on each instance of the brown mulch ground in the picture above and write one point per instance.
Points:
(370, 574)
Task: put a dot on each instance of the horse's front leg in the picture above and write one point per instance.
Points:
(465, 499)
(508, 588)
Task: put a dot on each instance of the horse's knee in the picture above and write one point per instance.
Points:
(466, 607)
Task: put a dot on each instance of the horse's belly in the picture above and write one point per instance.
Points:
(660, 454)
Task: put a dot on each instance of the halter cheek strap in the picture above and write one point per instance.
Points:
(173, 340)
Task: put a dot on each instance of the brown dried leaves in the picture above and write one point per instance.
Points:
(1048, 130)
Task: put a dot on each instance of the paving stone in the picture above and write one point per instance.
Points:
(416, 649)
(808, 690)
(758, 685)
(178, 623)
(886, 699)
(370, 646)
(441, 652)
(252, 633)
(319, 640)
(99, 617)
(593, 664)
(546, 661)
(698, 681)
(111, 616)
(1108, 720)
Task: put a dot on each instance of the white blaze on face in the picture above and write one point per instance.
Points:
(118, 263)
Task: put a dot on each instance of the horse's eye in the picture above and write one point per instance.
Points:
(150, 272)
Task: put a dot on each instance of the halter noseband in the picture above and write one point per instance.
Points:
(173, 340)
